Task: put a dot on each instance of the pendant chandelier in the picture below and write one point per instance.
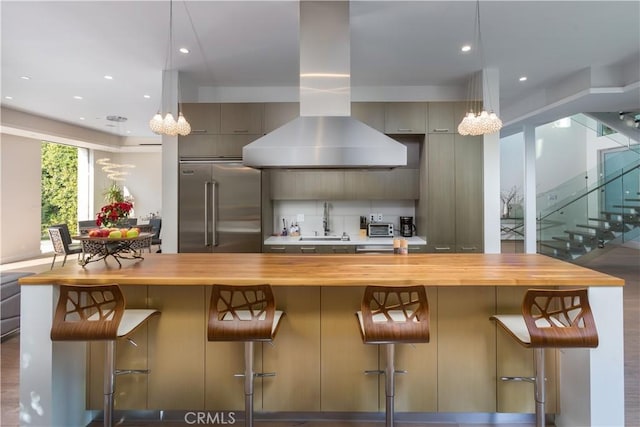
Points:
(478, 121)
(168, 125)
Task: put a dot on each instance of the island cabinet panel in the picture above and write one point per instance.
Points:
(295, 353)
(277, 114)
(343, 384)
(466, 350)
(131, 390)
(513, 360)
(177, 379)
(204, 118)
(417, 391)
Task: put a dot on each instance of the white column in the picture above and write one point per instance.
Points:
(530, 230)
(491, 91)
(52, 374)
(170, 167)
(592, 380)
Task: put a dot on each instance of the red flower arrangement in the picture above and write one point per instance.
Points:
(113, 213)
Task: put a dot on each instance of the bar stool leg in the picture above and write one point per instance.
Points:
(389, 384)
(248, 383)
(538, 361)
(109, 380)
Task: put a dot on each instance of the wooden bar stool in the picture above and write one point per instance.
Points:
(247, 314)
(97, 313)
(390, 316)
(550, 319)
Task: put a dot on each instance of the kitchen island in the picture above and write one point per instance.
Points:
(319, 345)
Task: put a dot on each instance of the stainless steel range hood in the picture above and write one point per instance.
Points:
(325, 136)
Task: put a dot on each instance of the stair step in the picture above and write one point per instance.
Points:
(569, 242)
(632, 200)
(560, 250)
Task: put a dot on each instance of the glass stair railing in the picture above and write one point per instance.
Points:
(582, 214)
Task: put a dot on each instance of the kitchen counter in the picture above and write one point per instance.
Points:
(318, 354)
(522, 270)
(353, 240)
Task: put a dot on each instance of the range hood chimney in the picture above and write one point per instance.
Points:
(325, 136)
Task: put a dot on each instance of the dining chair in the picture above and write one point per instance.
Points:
(61, 241)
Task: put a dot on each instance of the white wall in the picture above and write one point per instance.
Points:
(20, 208)
(144, 181)
(344, 215)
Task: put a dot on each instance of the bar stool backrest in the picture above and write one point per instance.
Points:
(559, 318)
(241, 313)
(395, 315)
(87, 313)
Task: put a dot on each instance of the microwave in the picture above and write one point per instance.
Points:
(379, 229)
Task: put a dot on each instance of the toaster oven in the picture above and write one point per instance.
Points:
(379, 229)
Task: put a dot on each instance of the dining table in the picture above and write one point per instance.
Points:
(119, 248)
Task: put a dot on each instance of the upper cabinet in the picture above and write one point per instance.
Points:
(369, 113)
(237, 119)
(444, 117)
(277, 114)
(204, 118)
(405, 117)
(441, 117)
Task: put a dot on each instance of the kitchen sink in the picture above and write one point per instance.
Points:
(323, 238)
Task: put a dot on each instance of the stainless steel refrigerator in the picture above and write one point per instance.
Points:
(219, 207)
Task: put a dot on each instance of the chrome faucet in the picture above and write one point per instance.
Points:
(325, 219)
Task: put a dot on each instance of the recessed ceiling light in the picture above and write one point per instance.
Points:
(77, 97)
(523, 79)
(25, 77)
(147, 96)
(128, 131)
(184, 50)
(8, 97)
(466, 48)
(108, 77)
(81, 118)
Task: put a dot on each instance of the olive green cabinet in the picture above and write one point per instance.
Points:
(277, 114)
(405, 118)
(454, 208)
(369, 113)
(243, 119)
(204, 118)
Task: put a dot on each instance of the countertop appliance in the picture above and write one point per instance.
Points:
(380, 229)
(219, 207)
(406, 226)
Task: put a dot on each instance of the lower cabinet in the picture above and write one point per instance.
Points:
(319, 357)
(310, 249)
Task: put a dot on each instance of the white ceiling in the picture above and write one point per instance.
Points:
(579, 56)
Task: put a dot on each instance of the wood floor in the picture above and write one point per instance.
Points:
(619, 261)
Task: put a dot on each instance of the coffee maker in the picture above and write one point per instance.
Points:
(406, 226)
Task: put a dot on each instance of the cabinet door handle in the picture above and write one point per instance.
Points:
(308, 249)
(240, 130)
(441, 130)
(405, 130)
(442, 248)
(469, 249)
(198, 131)
(278, 249)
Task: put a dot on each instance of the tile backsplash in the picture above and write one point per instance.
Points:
(344, 215)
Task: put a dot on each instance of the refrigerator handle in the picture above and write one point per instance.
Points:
(214, 214)
(206, 213)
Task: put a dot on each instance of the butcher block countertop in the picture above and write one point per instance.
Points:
(527, 270)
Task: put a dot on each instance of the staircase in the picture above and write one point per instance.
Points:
(610, 226)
